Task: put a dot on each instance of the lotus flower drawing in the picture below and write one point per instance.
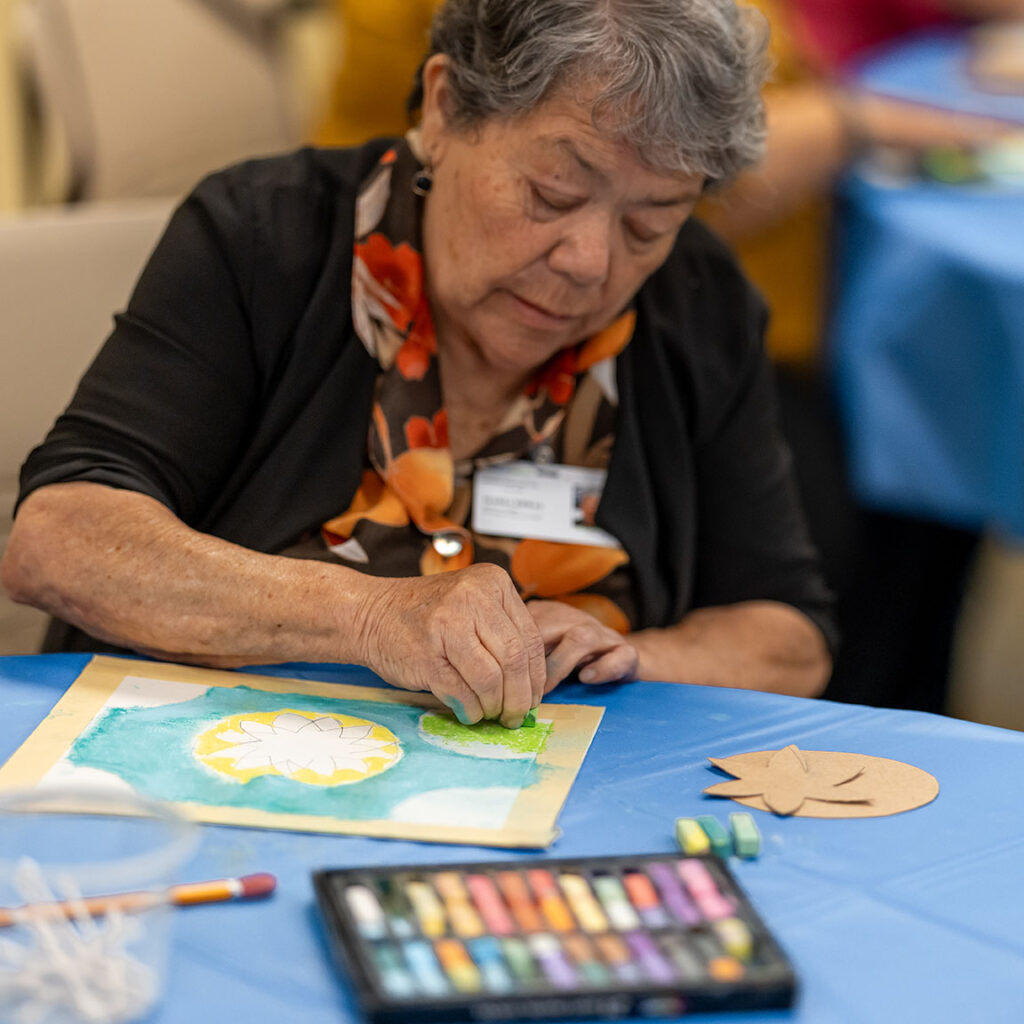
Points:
(310, 747)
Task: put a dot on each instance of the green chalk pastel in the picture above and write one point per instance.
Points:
(529, 720)
(745, 835)
(721, 841)
(692, 839)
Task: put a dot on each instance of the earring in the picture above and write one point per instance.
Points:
(423, 181)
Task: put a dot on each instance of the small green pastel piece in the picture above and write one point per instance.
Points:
(530, 721)
(721, 841)
(692, 839)
(745, 835)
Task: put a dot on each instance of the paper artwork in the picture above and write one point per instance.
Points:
(260, 751)
(823, 783)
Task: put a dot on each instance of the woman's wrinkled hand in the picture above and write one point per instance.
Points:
(465, 636)
(575, 640)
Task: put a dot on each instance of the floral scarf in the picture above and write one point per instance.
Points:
(409, 515)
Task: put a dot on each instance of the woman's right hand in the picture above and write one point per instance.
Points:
(465, 636)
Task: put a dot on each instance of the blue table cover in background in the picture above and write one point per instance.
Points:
(927, 335)
(912, 918)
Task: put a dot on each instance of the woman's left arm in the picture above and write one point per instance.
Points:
(753, 645)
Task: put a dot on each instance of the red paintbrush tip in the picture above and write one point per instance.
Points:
(257, 886)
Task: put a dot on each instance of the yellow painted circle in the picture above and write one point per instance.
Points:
(315, 747)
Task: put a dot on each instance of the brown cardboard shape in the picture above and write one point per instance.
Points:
(823, 783)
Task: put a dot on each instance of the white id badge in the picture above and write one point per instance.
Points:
(545, 502)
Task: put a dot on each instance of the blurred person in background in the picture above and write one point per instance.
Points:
(832, 34)
(899, 580)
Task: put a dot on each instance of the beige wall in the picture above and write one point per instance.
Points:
(10, 127)
(988, 671)
(310, 42)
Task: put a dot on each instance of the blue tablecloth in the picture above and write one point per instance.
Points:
(927, 336)
(933, 68)
(911, 918)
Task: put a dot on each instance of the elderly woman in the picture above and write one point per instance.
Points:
(361, 402)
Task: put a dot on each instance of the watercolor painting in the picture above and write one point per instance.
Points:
(262, 751)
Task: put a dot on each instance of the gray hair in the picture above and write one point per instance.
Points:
(678, 80)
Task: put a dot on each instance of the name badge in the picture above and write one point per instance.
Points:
(545, 502)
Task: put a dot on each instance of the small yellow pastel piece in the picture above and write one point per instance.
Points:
(583, 902)
(735, 937)
(692, 839)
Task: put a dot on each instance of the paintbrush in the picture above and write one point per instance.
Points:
(248, 887)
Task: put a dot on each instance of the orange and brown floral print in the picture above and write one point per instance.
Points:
(423, 476)
(373, 501)
(432, 562)
(397, 273)
(602, 608)
(388, 297)
(558, 376)
(549, 569)
(606, 344)
(421, 432)
(420, 346)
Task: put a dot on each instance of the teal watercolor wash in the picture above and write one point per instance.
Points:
(152, 750)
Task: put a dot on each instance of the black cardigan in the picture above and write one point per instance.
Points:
(235, 391)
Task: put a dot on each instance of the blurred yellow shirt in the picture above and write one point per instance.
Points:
(788, 260)
(381, 44)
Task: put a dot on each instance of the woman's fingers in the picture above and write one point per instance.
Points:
(505, 665)
(575, 640)
(524, 688)
(477, 670)
(597, 648)
(465, 636)
(452, 690)
(621, 663)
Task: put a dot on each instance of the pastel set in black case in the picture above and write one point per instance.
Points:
(651, 935)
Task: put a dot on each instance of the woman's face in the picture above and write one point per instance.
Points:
(538, 230)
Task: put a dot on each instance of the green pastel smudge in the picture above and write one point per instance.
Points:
(490, 733)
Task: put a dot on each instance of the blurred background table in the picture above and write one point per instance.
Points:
(927, 337)
(926, 357)
(914, 917)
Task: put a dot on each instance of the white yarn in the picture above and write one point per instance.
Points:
(75, 969)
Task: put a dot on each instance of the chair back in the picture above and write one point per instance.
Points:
(151, 95)
(63, 274)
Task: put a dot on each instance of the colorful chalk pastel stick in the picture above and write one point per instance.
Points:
(692, 839)
(718, 835)
(746, 838)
